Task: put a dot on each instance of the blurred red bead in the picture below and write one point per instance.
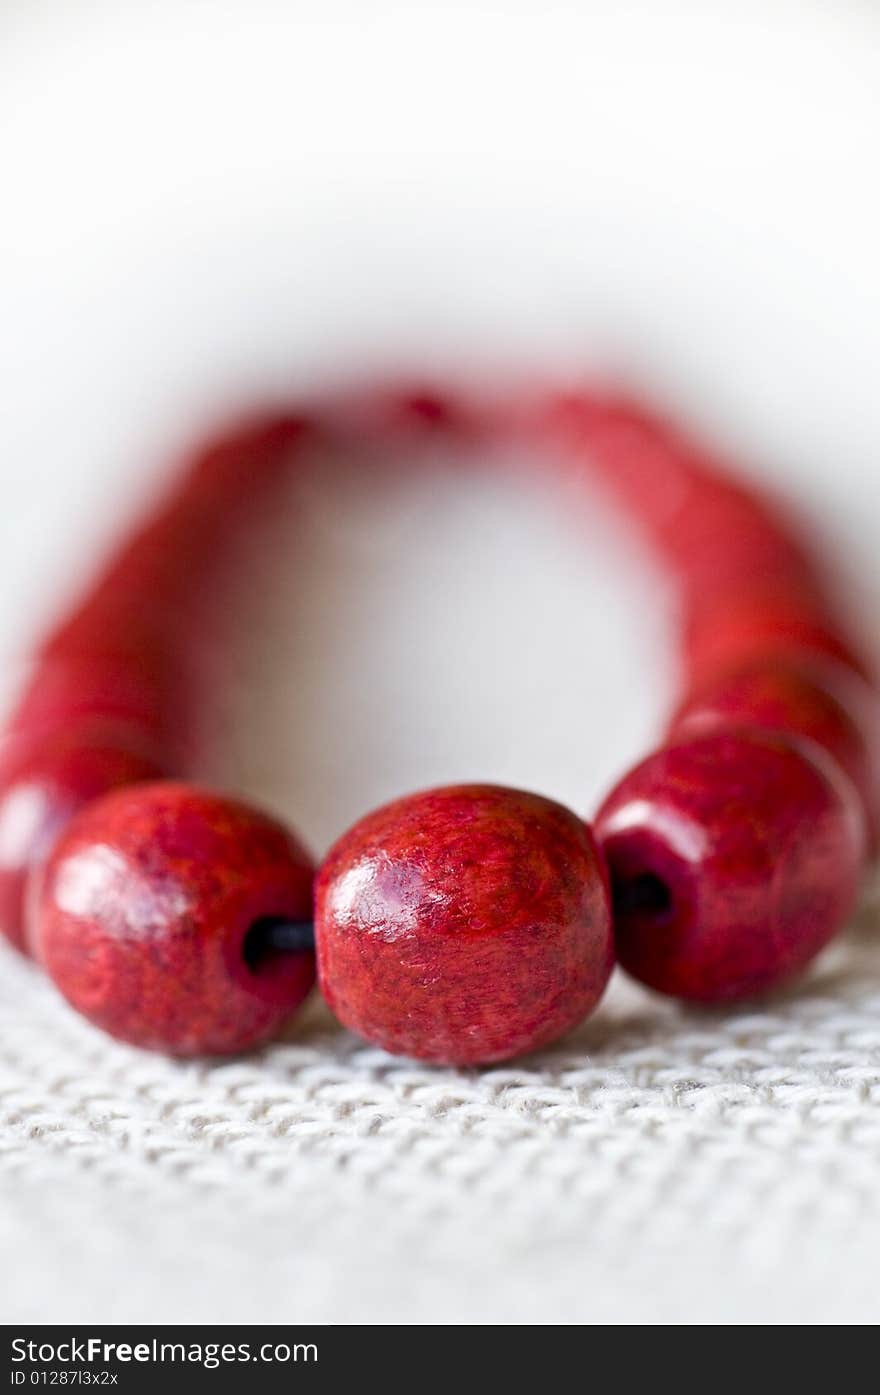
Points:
(752, 621)
(377, 415)
(734, 858)
(144, 915)
(240, 461)
(821, 702)
(45, 778)
(703, 523)
(464, 925)
(724, 531)
(141, 689)
(636, 453)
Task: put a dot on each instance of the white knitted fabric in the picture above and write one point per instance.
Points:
(656, 1166)
(197, 213)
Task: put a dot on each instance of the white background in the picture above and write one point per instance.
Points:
(206, 204)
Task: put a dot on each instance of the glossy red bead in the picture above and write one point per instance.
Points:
(464, 925)
(45, 778)
(734, 858)
(144, 914)
(821, 702)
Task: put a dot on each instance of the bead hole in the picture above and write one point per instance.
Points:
(273, 936)
(646, 896)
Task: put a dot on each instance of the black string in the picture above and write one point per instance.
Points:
(275, 935)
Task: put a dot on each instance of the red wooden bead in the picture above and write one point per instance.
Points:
(726, 532)
(753, 621)
(142, 690)
(144, 916)
(825, 703)
(129, 647)
(45, 778)
(464, 925)
(734, 858)
(702, 521)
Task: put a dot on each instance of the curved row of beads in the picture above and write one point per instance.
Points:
(147, 935)
(113, 694)
(473, 923)
(736, 849)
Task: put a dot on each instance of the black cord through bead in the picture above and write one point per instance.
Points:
(273, 934)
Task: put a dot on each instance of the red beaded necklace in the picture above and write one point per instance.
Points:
(467, 924)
